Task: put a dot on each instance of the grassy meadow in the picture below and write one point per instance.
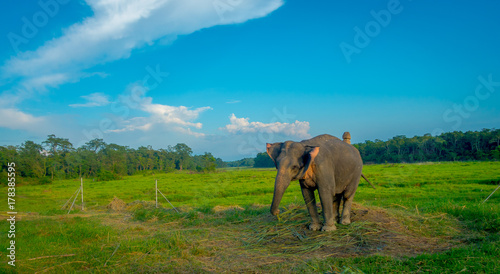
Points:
(421, 218)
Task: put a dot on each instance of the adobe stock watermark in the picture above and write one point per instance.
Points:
(363, 37)
(152, 79)
(257, 143)
(458, 112)
(11, 202)
(223, 6)
(31, 25)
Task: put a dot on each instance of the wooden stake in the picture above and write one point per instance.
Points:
(69, 200)
(112, 254)
(491, 194)
(156, 191)
(76, 196)
(81, 185)
(168, 201)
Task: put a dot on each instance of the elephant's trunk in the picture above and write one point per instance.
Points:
(280, 185)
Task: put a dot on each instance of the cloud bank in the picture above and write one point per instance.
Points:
(177, 118)
(242, 125)
(14, 119)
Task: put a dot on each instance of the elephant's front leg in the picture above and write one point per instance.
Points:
(311, 207)
(326, 197)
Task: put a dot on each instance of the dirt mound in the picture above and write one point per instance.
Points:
(116, 205)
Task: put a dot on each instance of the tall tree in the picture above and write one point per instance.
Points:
(32, 163)
(183, 154)
(115, 158)
(263, 160)
(95, 145)
(58, 149)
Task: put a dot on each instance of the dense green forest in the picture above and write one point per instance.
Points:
(481, 145)
(57, 158)
(245, 162)
(261, 160)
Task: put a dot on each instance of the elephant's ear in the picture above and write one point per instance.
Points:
(273, 150)
(309, 156)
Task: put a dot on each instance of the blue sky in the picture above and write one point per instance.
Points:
(227, 76)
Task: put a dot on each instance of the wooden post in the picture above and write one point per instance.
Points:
(81, 186)
(156, 191)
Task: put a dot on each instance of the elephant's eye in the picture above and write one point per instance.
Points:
(295, 168)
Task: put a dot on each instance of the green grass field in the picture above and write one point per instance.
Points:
(421, 218)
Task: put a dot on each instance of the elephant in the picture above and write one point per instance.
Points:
(324, 163)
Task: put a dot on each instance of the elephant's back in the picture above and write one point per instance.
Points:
(341, 153)
(334, 150)
(319, 140)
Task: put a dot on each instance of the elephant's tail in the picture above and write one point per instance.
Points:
(362, 175)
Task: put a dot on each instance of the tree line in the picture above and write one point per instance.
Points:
(56, 158)
(481, 145)
(262, 160)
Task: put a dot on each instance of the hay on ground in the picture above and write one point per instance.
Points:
(218, 208)
(116, 204)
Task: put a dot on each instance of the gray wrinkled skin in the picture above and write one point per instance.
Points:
(323, 163)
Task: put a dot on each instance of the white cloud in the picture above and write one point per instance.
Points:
(15, 119)
(188, 131)
(22, 123)
(119, 26)
(242, 125)
(93, 100)
(176, 118)
(44, 81)
(35, 85)
(26, 89)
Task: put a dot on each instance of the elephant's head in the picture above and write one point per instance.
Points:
(293, 162)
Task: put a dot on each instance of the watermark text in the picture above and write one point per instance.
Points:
(11, 202)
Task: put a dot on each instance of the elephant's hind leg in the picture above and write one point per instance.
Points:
(326, 196)
(346, 211)
(348, 196)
